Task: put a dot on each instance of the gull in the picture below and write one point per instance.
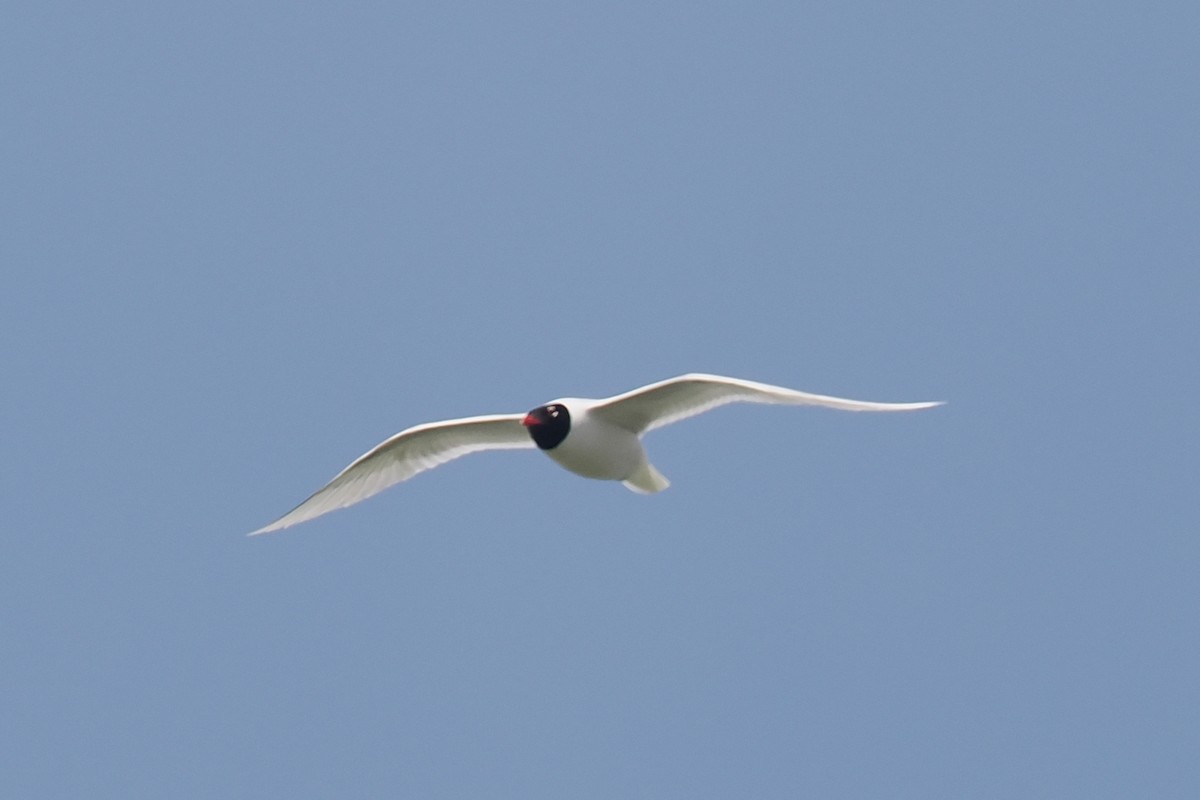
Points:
(595, 438)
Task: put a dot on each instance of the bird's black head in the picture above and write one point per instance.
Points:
(548, 425)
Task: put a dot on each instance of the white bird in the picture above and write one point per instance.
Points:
(594, 438)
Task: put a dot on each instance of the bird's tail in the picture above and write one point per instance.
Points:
(646, 480)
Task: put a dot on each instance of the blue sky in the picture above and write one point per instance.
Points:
(244, 243)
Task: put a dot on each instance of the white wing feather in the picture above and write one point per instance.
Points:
(664, 402)
(404, 455)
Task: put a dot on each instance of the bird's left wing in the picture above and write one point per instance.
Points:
(404, 455)
(664, 402)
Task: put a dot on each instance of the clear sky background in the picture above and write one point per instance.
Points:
(244, 242)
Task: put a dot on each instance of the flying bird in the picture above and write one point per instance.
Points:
(594, 438)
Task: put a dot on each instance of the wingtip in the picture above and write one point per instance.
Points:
(906, 406)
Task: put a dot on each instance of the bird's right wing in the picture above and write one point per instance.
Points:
(404, 455)
(664, 402)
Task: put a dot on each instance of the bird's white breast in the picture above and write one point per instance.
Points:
(595, 448)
